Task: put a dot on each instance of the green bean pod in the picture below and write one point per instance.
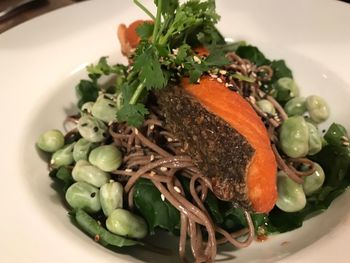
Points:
(106, 157)
(295, 106)
(111, 197)
(318, 108)
(294, 137)
(101, 235)
(82, 149)
(291, 196)
(63, 156)
(314, 181)
(315, 139)
(105, 109)
(51, 141)
(81, 195)
(83, 171)
(92, 129)
(124, 223)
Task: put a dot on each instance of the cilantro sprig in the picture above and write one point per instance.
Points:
(166, 54)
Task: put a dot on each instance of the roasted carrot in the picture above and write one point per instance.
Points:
(231, 107)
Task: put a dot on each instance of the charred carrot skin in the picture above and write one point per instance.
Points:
(232, 108)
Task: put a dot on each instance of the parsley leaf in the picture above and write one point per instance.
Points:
(145, 30)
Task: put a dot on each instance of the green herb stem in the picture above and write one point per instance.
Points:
(142, 7)
(137, 93)
(157, 21)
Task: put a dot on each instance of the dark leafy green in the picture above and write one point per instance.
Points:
(253, 54)
(64, 175)
(158, 213)
(86, 90)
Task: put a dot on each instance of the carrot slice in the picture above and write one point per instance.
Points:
(231, 107)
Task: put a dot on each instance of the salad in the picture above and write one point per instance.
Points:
(206, 139)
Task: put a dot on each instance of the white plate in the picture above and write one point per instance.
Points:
(42, 60)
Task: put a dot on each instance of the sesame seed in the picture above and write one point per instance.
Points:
(84, 125)
(152, 173)
(197, 59)
(175, 51)
(214, 76)
(223, 72)
(93, 194)
(128, 170)
(346, 143)
(152, 157)
(163, 169)
(177, 189)
(111, 105)
(252, 99)
(162, 197)
(151, 127)
(170, 139)
(95, 129)
(344, 138)
(136, 131)
(219, 80)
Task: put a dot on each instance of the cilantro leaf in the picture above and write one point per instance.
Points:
(148, 67)
(133, 114)
(145, 30)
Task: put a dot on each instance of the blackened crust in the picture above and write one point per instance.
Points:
(218, 150)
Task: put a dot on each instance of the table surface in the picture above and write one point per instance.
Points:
(30, 13)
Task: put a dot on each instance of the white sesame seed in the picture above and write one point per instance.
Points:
(170, 139)
(128, 170)
(152, 173)
(346, 143)
(214, 76)
(177, 189)
(344, 138)
(152, 157)
(175, 51)
(136, 131)
(162, 197)
(110, 123)
(52, 161)
(151, 127)
(219, 80)
(252, 99)
(223, 72)
(197, 60)
(163, 169)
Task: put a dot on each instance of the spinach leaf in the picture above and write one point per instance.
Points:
(280, 70)
(158, 213)
(253, 54)
(337, 180)
(86, 90)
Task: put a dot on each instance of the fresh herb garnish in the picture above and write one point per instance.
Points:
(165, 52)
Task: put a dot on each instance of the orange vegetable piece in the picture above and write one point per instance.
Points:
(231, 107)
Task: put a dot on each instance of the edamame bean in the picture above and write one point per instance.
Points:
(95, 230)
(63, 157)
(285, 89)
(81, 195)
(266, 106)
(124, 223)
(105, 109)
(107, 157)
(83, 171)
(92, 129)
(295, 106)
(111, 197)
(314, 181)
(294, 137)
(291, 196)
(315, 139)
(318, 108)
(51, 141)
(82, 149)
